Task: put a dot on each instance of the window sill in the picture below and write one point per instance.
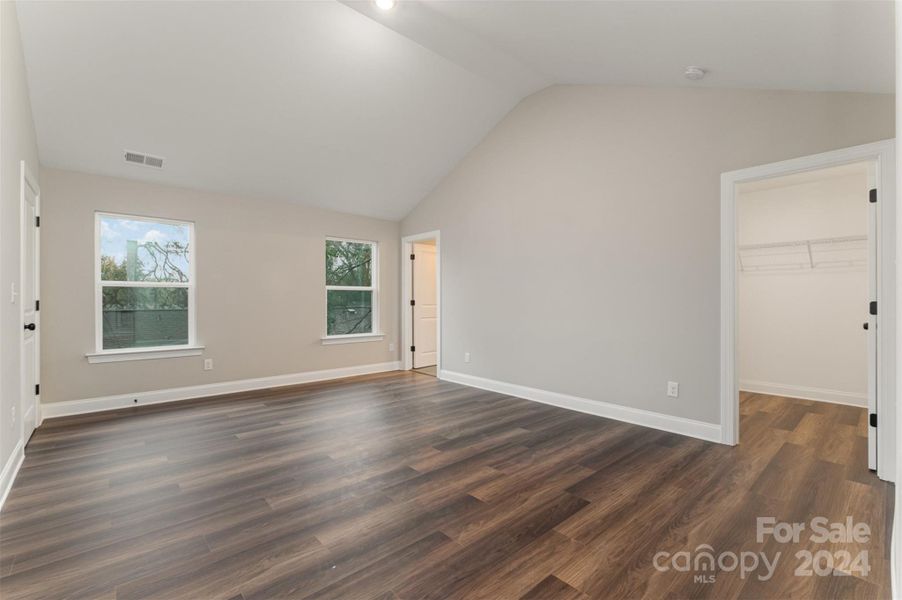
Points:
(144, 354)
(352, 339)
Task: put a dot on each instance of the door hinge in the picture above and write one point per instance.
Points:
(872, 196)
(37, 305)
(413, 348)
(413, 302)
(37, 221)
(873, 419)
(872, 307)
(413, 256)
(37, 389)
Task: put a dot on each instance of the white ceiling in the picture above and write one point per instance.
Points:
(798, 45)
(310, 102)
(342, 106)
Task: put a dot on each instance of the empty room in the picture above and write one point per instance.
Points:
(407, 299)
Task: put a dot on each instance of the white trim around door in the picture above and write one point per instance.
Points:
(407, 243)
(883, 155)
(29, 312)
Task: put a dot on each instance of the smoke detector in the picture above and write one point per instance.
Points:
(694, 73)
(147, 160)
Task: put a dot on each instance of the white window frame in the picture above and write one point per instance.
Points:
(376, 334)
(101, 355)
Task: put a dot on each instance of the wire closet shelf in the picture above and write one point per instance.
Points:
(805, 255)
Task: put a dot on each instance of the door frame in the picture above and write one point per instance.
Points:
(27, 178)
(883, 154)
(407, 243)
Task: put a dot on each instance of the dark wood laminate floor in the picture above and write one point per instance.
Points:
(403, 486)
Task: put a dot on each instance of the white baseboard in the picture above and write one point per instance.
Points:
(804, 393)
(89, 405)
(10, 470)
(697, 429)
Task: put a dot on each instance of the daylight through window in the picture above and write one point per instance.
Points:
(350, 287)
(145, 282)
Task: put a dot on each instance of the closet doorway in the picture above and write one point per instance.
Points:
(807, 304)
(421, 299)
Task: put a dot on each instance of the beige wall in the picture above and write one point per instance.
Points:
(799, 330)
(897, 524)
(260, 286)
(17, 143)
(580, 239)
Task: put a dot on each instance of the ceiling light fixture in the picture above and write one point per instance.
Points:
(694, 73)
(385, 4)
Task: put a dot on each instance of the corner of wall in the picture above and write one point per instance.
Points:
(18, 143)
(424, 224)
(896, 549)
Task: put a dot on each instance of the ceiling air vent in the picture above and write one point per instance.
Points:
(143, 159)
(153, 161)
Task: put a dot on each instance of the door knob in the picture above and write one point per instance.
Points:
(864, 325)
(31, 327)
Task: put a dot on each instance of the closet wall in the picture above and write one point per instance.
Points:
(803, 285)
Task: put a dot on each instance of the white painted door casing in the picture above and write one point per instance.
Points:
(30, 294)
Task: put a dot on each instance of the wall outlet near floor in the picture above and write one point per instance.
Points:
(208, 364)
(466, 357)
(673, 389)
(391, 347)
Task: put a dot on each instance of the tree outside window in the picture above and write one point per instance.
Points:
(350, 287)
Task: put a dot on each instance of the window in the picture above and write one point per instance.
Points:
(144, 283)
(351, 291)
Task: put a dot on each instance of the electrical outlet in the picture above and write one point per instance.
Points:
(391, 347)
(466, 357)
(208, 364)
(13, 413)
(673, 389)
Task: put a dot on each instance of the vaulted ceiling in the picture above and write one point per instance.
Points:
(343, 106)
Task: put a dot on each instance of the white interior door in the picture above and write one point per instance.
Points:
(31, 341)
(872, 322)
(425, 306)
